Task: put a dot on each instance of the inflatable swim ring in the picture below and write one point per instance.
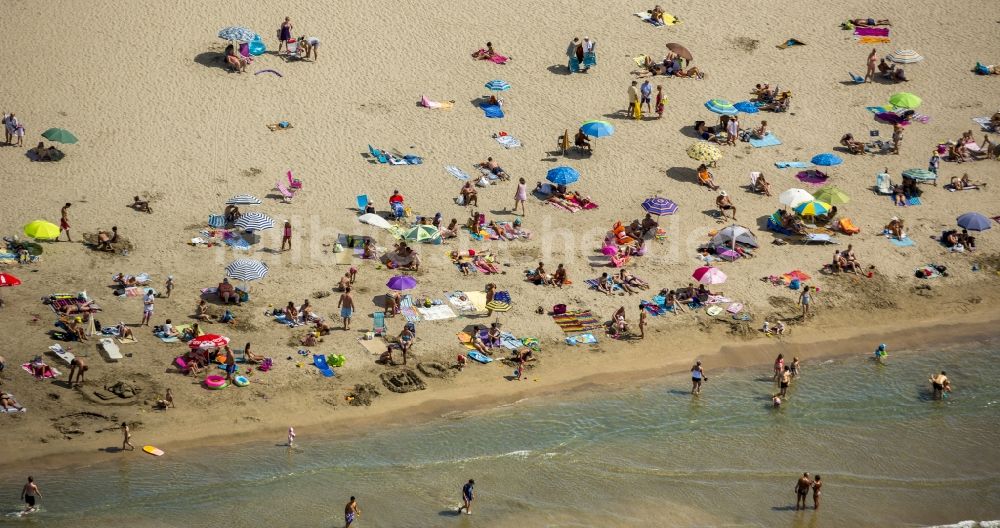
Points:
(276, 72)
(241, 381)
(215, 382)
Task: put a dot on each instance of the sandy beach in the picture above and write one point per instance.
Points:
(157, 114)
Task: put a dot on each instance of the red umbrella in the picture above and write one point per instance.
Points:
(709, 275)
(6, 279)
(209, 341)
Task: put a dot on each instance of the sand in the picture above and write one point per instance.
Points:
(158, 116)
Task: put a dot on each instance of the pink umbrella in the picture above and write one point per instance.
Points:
(709, 275)
(208, 341)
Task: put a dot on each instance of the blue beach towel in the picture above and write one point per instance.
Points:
(492, 111)
(857, 79)
(769, 140)
(792, 164)
(582, 339)
(877, 109)
(906, 242)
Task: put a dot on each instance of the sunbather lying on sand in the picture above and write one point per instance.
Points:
(485, 53)
(494, 168)
(141, 205)
(965, 183)
(870, 22)
(625, 277)
(8, 402)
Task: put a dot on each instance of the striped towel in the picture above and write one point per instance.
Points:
(983, 122)
(593, 284)
(456, 172)
(408, 311)
(508, 142)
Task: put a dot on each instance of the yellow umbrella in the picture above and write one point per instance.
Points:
(42, 230)
(704, 152)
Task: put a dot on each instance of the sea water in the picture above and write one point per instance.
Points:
(648, 455)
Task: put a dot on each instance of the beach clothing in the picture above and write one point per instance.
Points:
(805, 299)
(733, 127)
(346, 312)
(522, 193)
(633, 94)
(696, 375)
(288, 232)
(63, 224)
(659, 103)
(148, 303)
(349, 517)
(313, 41)
(285, 33)
(646, 90)
(30, 500)
(467, 491)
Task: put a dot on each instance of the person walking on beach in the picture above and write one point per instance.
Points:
(284, 34)
(779, 366)
(817, 484)
(351, 512)
(872, 63)
(346, 305)
(642, 322)
(286, 236)
(468, 495)
(805, 299)
(786, 378)
(646, 91)
(169, 286)
(802, 490)
(127, 437)
(634, 109)
(147, 307)
(291, 436)
(939, 385)
(520, 196)
(897, 137)
(28, 495)
(697, 377)
(64, 221)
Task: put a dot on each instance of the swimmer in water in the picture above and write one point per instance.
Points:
(880, 353)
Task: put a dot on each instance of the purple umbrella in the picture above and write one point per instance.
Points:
(813, 177)
(401, 282)
(892, 118)
(659, 206)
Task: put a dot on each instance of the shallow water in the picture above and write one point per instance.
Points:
(651, 456)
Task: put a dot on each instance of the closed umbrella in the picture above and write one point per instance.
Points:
(704, 152)
(974, 222)
(812, 208)
(793, 197)
(498, 85)
(401, 282)
(421, 233)
(904, 56)
(680, 51)
(832, 195)
(243, 199)
(246, 270)
(254, 222)
(6, 279)
(709, 275)
(42, 230)
(562, 175)
(659, 206)
(373, 219)
(208, 341)
(237, 34)
(597, 128)
(721, 106)
(905, 100)
(747, 107)
(826, 159)
(59, 135)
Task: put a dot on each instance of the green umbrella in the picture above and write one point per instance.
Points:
(421, 233)
(59, 135)
(904, 100)
(831, 195)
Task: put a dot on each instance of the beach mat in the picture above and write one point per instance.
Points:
(492, 111)
(792, 164)
(769, 140)
(456, 172)
(576, 321)
(375, 346)
(478, 300)
(906, 242)
(984, 123)
(582, 339)
(437, 312)
(508, 142)
(871, 31)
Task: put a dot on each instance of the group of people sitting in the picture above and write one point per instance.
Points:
(846, 260)
(958, 241)
(965, 149)
(43, 153)
(202, 358)
(770, 99)
(403, 257)
(891, 72)
(902, 192)
(107, 239)
(541, 277)
(671, 65)
(629, 283)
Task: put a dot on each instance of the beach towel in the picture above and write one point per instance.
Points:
(984, 123)
(434, 105)
(770, 140)
(437, 312)
(792, 164)
(478, 300)
(652, 308)
(951, 188)
(237, 243)
(789, 43)
(62, 353)
(407, 309)
(871, 31)
(456, 172)
(492, 111)
(375, 346)
(593, 284)
(12, 410)
(874, 40)
(510, 341)
(582, 339)
(927, 272)
(49, 372)
(878, 109)
(576, 321)
(812, 177)
(508, 142)
(906, 242)
(640, 61)
(464, 306)
(857, 79)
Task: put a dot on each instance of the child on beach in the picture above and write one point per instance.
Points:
(291, 436)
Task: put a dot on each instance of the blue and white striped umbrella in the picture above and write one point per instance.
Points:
(237, 34)
(721, 106)
(246, 270)
(659, 206)
(243, 199)
(254, 222)
(498, 85)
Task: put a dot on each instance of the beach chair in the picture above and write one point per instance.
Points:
(753, 181)
(294, 184)
(62, 353)
(286, 193)
(398, 210)
(363, 201)
(774, 224)
(856, 79)
(378, 154)
(848, 227)
(883, 185)
(294, 51)
(378, 323)
(820, 238)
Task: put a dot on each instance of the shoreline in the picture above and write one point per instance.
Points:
(423, 407)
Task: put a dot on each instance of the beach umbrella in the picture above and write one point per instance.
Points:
(832, 195)
(237, 34)
(974, 222)
(498, 306)
(498, 85)
(401, 282)
(826, 159)
(562, 175)
(793, 197)
(254, 222)
(704, 152)
(208, 341)
(709, 275)
(243, 199)
(919, 174)
(812, 208)
(659, 206)
(6, 279)
(812, 177)
(246, 270)
(730, 235)
(901, 56)
(421, 233)
(41, 230)
(721, 106)
(373, 219)
(747, 107)
(597, 128)
(680, 51)
(905, 100)
(59, 135)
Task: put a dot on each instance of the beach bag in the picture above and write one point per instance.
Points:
(559, 309)
(460, 200)
(795, 284)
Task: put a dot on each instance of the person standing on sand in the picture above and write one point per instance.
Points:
(697, 377)
(284, 34)
(28, 493)
(520, 196)
(286, 236)
(634, 109)
(872, 63)
(64, 221)
(816, 492)
(127, 438)
(351, 512)
(77, 367)
(805, 299)
(897, 137)
(646, 92)
(346, 305)
(230, 364)
(642, 322)
(660, 101)
(147, 307)
(169, 286)
(802, 490)
(732, 130)
(468, 495)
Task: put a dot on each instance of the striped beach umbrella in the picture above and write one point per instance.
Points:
(498, 85)
(208, 341)
(254, 222)
(41, 230)
(498, 306)
(812, 208)
(597, 128)
(721, 106)
(905, 100)
(826, 159)
(704, 152)
(421, 233)
(243, 199)
(832, 195)
(923, 175)
(747, 107)
(902, 56)
(562, 175)
(237, 34)
(709, 275)
(659, 206)
(246, 270)
(401, 282)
